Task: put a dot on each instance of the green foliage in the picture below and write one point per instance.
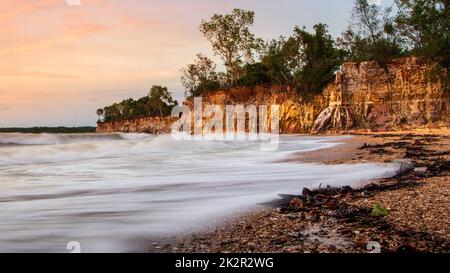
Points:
(319, 59)
(379, 210)
(372, 34)
(426, 26)
(231, 39)
(200, 77)
(305, 61)
(159, 102)
(160, 98)
(281, 57)
(255, 74)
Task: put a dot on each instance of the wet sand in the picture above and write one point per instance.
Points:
(342, 220)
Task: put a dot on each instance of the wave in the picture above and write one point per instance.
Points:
(146, 185)
(46, 148)
(55, 139)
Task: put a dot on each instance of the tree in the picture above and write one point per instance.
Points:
(319, 59)
(372, 34)
(426, 26)
(254, 74)
(200, 76)
(282, 59)
(160, 98)
(231, 39)
(305, 61)
(158, 102)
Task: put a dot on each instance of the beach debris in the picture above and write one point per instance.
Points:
(296, 203)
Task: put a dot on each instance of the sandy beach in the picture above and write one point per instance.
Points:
(342, 219)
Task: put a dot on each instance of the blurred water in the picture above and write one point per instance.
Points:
(102, 190)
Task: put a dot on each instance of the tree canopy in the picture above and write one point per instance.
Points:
(371, 34)
(231, 39)
(200, 76)
(158, 102)
(425, 24)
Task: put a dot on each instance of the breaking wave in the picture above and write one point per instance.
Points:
(51, 139)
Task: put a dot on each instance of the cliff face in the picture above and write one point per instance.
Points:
(370, 96)
(152, 125)
(364, 96)
(297, 115)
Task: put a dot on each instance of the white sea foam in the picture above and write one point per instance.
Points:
(100, 190)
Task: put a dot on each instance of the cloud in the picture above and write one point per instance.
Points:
(69, 34)
(10, 10)
(37, 74)
(37, 25)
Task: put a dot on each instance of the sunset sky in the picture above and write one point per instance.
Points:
(59, 63)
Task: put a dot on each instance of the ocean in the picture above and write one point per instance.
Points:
(105, 191)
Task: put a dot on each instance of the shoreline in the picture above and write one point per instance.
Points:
(341, 219)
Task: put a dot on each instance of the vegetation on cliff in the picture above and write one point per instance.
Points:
(158, 102)
(304, 62)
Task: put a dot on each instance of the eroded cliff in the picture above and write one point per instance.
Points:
(371, 96)
(151, 125)
(365, 95)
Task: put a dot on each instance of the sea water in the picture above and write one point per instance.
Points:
(103, 190)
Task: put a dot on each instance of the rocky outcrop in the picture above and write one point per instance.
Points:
(365, 95)
(151, 125)
(297, 114)
(378, 97)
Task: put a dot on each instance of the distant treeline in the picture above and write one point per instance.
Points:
(158, 102)
(49, 130)
(306, 61)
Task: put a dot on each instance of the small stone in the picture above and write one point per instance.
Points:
(292, 216)
(421, 170)
(302, 216)
(251, 246)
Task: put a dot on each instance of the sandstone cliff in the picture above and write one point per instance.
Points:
(364, 95)
(297, 114)
(370, 96)
(152, 125)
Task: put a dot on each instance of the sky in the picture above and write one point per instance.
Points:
(59, 62)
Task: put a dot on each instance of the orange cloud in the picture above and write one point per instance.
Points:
(12, 9)
(58, 23)
(68, 34)
(37, 74)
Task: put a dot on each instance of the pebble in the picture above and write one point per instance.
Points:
(292, 216)
(251, 246)
(421, 170)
